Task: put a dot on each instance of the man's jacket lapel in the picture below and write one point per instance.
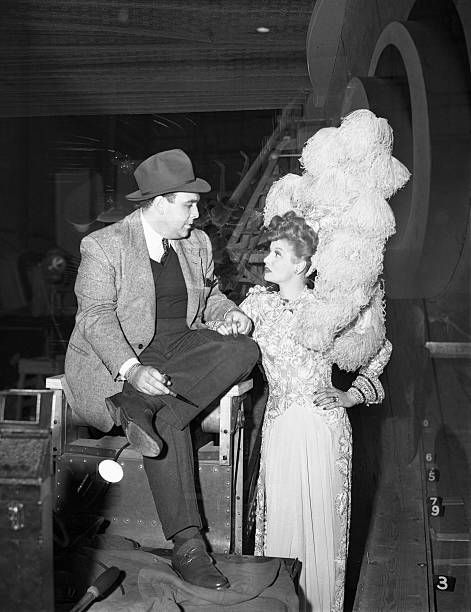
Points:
(139, 269)
(190, 262)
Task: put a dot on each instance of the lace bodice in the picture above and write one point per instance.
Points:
(294, 372)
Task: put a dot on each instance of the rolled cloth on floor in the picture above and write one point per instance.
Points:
(257, 583)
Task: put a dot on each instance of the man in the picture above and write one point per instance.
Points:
(146, 296)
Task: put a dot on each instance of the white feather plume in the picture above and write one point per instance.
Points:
(323, 151)
(281, 197)
(358, 343)
(349, 173)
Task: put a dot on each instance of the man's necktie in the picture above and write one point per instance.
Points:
(166, 247)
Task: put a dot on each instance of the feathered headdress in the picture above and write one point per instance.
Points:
(349, 172)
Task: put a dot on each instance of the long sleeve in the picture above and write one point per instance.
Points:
(97, 298)
(252, 304)
(247, 306)
(367, 387)
(217, 304)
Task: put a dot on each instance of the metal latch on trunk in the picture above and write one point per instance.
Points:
(16, 515)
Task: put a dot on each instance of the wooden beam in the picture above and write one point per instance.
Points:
(451, 536)
(394, 575)
(449, 350)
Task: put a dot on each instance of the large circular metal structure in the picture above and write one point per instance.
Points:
(419, 80)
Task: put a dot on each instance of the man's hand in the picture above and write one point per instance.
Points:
(148, 380)
(237, 322)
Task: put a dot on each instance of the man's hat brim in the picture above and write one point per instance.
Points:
(197, 186)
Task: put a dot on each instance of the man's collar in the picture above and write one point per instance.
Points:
(149, 231)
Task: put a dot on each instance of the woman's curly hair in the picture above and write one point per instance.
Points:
(296, 231)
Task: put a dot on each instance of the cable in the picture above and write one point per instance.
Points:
(102, 584)
(116, 457)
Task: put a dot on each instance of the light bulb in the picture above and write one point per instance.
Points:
(110, 470)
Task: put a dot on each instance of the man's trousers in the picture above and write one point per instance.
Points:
(202, 366)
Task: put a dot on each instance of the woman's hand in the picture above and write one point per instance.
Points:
(330, 397)
(235, 322)
(238, 322)
(223, 329)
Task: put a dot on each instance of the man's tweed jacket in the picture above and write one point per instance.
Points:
(116, 309)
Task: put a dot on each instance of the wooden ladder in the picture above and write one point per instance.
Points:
(279, 157)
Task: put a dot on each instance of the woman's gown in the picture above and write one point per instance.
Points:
(303, 490)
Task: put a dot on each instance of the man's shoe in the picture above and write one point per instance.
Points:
(193, 564)
(138, 425)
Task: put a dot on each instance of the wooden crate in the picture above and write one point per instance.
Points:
(128, 506)
(26, 541)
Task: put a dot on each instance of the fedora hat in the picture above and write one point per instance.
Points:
(166, 172)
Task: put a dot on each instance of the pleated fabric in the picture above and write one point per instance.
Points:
(302, 484)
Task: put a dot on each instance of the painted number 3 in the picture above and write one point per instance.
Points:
(444, 583)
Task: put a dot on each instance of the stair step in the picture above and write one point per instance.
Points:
(461, 562)
(452, 536)
(321, 122)
(449, 350)
(453, 501)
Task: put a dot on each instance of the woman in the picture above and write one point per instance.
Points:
(303, 492)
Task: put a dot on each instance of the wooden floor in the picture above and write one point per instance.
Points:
(411, 497)
(395, 573)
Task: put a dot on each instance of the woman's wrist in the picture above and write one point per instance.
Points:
(355, 396)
